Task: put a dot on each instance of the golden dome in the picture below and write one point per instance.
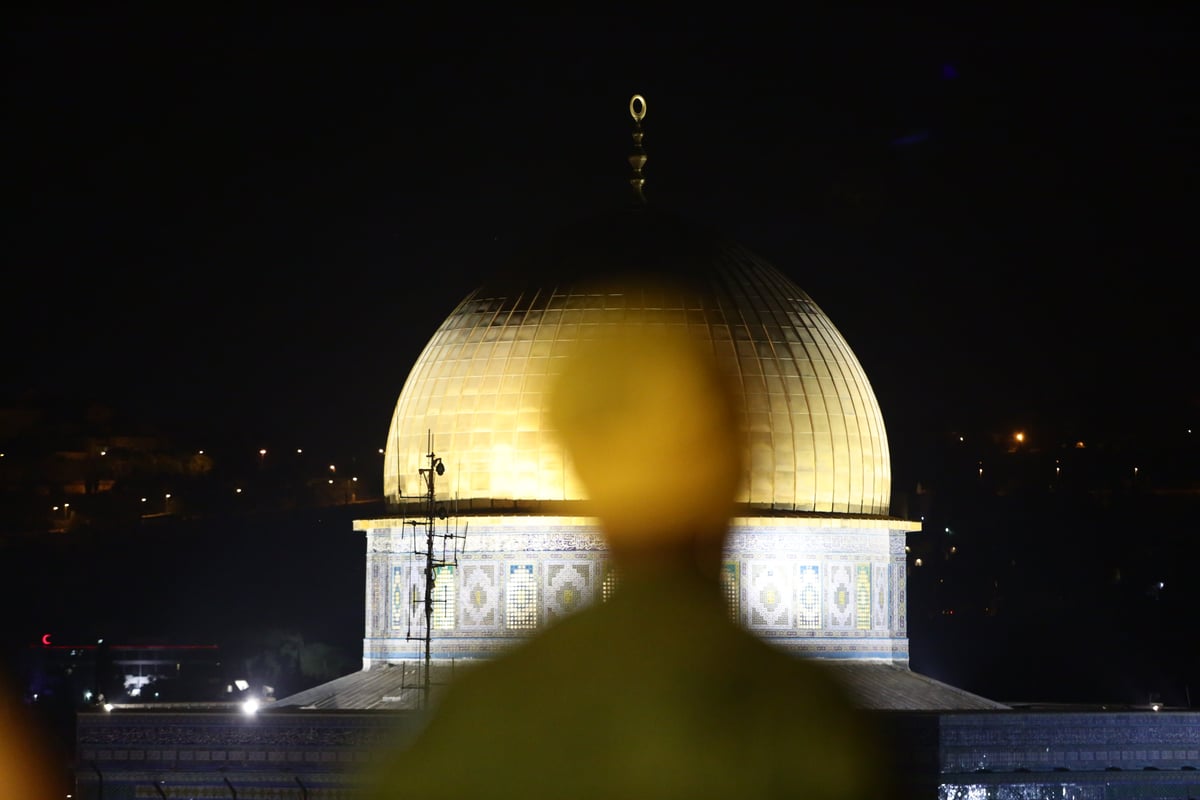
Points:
(816, 435)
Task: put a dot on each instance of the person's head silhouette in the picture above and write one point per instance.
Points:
(651, 427)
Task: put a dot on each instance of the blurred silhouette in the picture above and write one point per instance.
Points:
(656, 692)
(24, 756)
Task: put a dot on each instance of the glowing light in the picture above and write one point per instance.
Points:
(1019, 436)
(143, 499)
(108, 706)
(1156, 706)
(241, 684)
(103, 452)
(298, 451)
(237, 490)
(355, 479)
(918, 563)
(262, 452)
(331, 481)
(332, 468)
(250, 706)
(381, 449)
(201, 452)
(46, 639)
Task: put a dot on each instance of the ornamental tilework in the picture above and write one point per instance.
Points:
(479, 596)
(399, 598)
(730, 588)
(445, 586)
(568, 588)
(808, 596)
(879, 594)
(862, 597)
(840, 597)
(377, 595)
(840, 589)
(769, 595)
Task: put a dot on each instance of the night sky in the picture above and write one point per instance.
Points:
(254, 223)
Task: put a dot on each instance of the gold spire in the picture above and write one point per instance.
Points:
(637, 110)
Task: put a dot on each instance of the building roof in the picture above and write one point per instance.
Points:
(873, 686)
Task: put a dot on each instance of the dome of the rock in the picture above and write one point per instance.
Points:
(814, 429)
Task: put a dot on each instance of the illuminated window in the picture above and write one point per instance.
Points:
(522, 597)
(808, 596)
(862, 596)
(398, 590)
(443, 598)
(611, 580)
(729, 583)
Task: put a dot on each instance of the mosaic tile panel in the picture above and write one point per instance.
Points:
(808, 596)
(568, 588)
(769, 594)
(862, 597)
(839, 600)
(479, 596)
(879, 592)
(445, 588)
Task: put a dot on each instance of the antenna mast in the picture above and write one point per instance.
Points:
(433, 561)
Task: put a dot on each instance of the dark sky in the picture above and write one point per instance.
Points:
(254, 223)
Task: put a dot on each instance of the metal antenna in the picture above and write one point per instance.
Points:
(433, 563)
